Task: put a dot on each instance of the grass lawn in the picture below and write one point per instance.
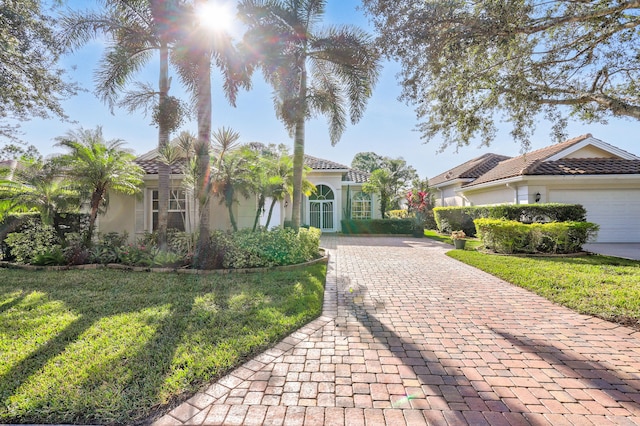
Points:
(603, 286)
(472, 243)
(108, 346)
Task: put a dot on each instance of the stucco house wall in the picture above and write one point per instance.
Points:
(135, 214)
(582, 170)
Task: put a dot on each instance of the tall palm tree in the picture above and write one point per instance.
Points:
(96, 167)
(194, 53)
(328, 71)
(135, 30)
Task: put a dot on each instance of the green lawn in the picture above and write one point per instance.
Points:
(472, 243)
(107, 346)
(603, 286)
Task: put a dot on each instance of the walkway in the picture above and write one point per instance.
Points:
(410, 336)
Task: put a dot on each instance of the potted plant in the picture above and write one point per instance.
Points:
(458, 238)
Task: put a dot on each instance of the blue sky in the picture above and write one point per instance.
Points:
(387, 127)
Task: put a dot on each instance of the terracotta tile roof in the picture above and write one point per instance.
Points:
(350, 175)
(320, 164)
(518, 166)
(472, 169)
(356, 176)
(585, 166)
(150, 167)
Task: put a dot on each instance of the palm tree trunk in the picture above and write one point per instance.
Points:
(259, 210)
(164, 170)
(273, 203)
(232, 217)
(298, 150)
(203, 108)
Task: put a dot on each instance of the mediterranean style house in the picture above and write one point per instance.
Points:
(582, 170)
(324, 209)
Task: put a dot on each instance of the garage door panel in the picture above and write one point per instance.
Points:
(616, 211)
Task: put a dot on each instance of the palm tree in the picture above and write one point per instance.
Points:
(232, 171)
(96, 167)
(38, 185)
(313, 71)
(193, 55)
(136, 29)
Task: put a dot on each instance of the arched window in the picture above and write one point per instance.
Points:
(321, 208)
(361, 206)
(323, 192)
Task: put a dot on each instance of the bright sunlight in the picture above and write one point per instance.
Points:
(215, 16)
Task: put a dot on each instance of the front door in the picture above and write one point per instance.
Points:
(321, 209)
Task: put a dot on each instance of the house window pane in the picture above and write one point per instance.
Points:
(177, 209)
(361, 206)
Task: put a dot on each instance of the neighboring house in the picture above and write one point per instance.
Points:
(324, 209)
(583, 170)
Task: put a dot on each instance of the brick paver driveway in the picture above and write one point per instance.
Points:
(411, 336)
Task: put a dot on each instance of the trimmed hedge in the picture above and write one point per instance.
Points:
(461, 218)
(509, 236)
(378, 226)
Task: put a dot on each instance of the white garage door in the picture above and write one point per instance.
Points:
(616, 211)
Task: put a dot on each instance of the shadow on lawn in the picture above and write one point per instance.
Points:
(92, 304)
(180, 322)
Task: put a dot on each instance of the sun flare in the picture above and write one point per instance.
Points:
(215, 16)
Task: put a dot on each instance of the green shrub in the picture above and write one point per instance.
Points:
(449, 219)
(182, 242)
(53, 256)
(279, 246)
(107, 248)
(504, 236)
(509, 236)
(461, 218)
(378, 226)
(397, 214)
(34, 239)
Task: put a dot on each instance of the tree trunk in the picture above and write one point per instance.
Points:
(259, 210)
(164, 170)
(273, 203)
(203, 253)
(298, 150)
(232, 217)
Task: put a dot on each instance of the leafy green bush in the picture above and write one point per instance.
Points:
(397, 214)
(279, 246)
(504, 236)
(33, 240)
(456, 218)
(509, 236)
(107, 248)
(378, 226)
(449, 219)
(53, 256)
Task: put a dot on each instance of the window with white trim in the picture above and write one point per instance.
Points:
(177, 209)
(361, 206)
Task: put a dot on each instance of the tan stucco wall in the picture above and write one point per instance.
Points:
(499, 195)
(120, 215)
(447, 197)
